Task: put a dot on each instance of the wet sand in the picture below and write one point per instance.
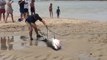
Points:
(80, 39)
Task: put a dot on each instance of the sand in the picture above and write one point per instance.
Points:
(80, 39)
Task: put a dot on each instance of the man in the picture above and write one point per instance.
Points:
(26, 8)
(30, 20)
(21, 5)
(32, 7)
(2, 9)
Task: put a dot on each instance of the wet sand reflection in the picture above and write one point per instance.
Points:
(17, 42)
(5, 43)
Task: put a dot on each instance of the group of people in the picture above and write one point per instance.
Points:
(30, 19)
(23, 4)
(51, 11)
(24, 8)
(9, 10)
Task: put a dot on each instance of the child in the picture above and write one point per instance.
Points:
(58, 12)
(9, 10)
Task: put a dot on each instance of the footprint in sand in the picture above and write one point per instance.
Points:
(56, 57)
(11, 58)
(38, 56)
(5, 57)
(19, 59)
(100, 55)
(99, 59)
(62, 58)
(65, 58)
(42, 57)
(1, 55)
(47, 56)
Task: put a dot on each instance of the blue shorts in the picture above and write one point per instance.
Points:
(25, 10)
(21, 10)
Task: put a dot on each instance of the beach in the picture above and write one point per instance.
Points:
(80, 40)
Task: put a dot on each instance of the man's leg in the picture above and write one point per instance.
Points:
(7, 17)
(12, 17)
(30, 32)
(21, 16)
(0, 16)
(4, 16)
(52, 14)
(35, 28)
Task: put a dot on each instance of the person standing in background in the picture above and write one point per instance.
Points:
(51, 10)
(2, 9)
(9, 10)
(32, 7)
(21, 6)
(58, 12)
(26, 8)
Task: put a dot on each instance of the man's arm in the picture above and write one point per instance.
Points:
(44, 23)
(11, 2)
(20, 2)
(40, 19)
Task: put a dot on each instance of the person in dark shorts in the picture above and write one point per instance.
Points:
(30, 20)
(58, 12)
(21, 5)
(26, 8)
(32, 7)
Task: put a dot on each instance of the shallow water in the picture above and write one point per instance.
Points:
(18, 42)
(90, 10)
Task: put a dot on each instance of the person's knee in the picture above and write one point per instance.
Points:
(30, 29)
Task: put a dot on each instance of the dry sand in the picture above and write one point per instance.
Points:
(81, 40)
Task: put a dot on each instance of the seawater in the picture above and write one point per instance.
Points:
(89, 10)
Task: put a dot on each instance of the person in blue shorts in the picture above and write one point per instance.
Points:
(21, 5)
